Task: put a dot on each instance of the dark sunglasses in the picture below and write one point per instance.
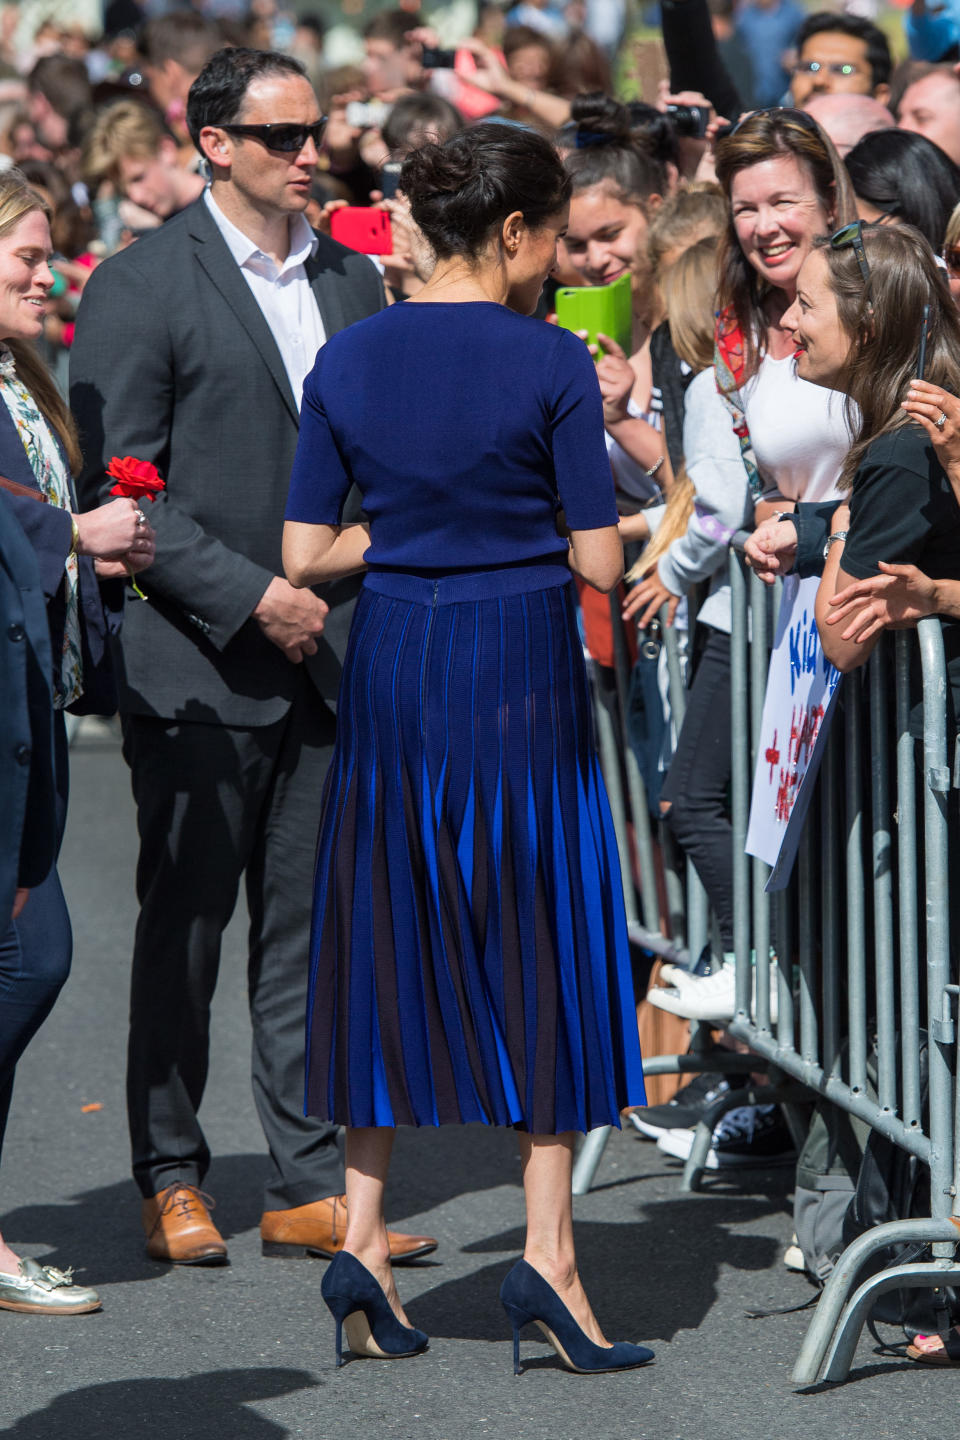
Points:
(288, 139)
(852, 235)
(951, 258)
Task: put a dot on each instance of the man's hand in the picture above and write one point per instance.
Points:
(291, 618)
(772, 548)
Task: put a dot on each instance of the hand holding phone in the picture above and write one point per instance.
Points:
(600, 310)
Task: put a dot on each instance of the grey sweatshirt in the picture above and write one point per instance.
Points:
(722, 502)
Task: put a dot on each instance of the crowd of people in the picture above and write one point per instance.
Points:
(294, 475)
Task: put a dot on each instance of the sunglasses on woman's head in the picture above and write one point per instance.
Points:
(789, 116)
(852, 235)
(287, 138)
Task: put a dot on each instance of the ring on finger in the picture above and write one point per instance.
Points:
(141, 519)
(941, 422)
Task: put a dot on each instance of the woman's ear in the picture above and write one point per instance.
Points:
(513, 231)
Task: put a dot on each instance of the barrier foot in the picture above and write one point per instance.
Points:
(910, 1277)
(827, 1316)
(787, 1093)
(588, 1158)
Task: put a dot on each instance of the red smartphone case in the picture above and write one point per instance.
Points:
(362, 229)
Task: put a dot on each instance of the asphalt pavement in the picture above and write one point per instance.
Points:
(246, 1352)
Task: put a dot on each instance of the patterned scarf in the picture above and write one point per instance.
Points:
(53, 477)
(728, 361)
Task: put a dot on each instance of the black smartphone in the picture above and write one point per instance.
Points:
(924, 337)
(433, 59)
(390, 179)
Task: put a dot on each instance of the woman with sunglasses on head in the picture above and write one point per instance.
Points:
(848, 326)
(785, 185)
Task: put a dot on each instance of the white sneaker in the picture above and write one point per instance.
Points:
(708, 997)
(750, 1135)
(793, 1257)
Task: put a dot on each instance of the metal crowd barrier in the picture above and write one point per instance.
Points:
(870, 967)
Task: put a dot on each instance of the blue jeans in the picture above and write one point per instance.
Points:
(35, 953)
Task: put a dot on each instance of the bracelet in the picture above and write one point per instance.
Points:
(653, 468)
(832, 540)
(74, 538)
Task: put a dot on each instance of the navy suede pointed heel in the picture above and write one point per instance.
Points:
(526, 1297)
(357, 1303)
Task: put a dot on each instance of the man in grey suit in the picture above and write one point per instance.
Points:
(191, 350)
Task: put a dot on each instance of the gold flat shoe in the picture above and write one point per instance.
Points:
(44, 1290)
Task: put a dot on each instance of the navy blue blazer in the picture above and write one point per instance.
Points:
(28, 820)
(49, 532)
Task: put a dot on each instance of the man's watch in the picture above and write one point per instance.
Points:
(832, 540)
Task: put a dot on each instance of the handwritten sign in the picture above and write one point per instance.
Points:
(797, 709)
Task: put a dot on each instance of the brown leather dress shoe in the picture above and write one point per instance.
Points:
(179, 1228)
(318, 1230)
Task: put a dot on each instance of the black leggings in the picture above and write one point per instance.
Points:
(698, 782)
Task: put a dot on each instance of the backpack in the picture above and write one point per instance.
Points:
(840, 1197)
(827, 1169)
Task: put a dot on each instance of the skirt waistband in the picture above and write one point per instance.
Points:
(480, 585)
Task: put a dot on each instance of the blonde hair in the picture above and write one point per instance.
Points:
(952, 236)
(125, 128)
(16, 201)
(689, 291)
(686, 216)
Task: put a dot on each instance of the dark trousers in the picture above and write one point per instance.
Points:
(217, 804)
(35, 951)
(698, 781)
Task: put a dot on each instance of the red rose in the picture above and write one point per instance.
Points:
(136, 478)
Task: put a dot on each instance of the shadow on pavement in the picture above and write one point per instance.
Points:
(98, 1232)
(644, 1279)
(192, 1407)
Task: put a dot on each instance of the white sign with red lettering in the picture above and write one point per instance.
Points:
(797, 709)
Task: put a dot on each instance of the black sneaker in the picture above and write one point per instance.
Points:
(686, 1108)
(750, 1135)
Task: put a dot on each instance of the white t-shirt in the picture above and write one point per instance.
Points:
(798, 431)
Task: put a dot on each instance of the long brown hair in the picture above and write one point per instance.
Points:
(17, 200)
(768, 135)
(883, 322)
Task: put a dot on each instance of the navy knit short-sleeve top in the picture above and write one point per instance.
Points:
(465, 428)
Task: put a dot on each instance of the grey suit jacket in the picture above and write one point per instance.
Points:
(174, 363)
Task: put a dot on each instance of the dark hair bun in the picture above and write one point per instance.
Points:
(461, 191)
(600, 114)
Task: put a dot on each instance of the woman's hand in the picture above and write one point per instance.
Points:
(895, 600)
(651, 595)
(925, 403)
(771, 549)
(617, 379)
(490, 74)
(113, 533)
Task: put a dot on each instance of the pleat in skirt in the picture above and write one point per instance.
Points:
(469, 957)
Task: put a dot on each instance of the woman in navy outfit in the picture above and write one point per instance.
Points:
(469, 953)
(38, 455)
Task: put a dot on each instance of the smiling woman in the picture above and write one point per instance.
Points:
(617, 186)
(38, 450)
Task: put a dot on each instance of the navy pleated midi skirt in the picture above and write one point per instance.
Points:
(469, 956)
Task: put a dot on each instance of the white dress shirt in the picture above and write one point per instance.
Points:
(282, 292)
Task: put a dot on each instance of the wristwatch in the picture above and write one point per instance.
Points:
(832, 540)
